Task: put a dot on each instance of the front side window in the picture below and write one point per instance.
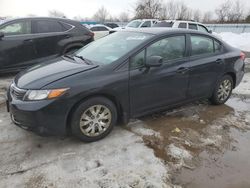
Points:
(17, 28)
(138, 60)
(170, 48)
(47, 26)
(112, 47)
(134, 24)
(146, 24)
(192, 26)
(201, 45)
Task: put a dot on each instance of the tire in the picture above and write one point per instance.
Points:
(90, 127)
(218, 98)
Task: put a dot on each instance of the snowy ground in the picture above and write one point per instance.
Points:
(241, 41)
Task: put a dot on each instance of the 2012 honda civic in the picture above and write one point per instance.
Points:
(125, 75)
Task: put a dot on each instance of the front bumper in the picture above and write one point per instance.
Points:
(46, 117)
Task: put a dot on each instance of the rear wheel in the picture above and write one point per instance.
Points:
(223, 90)
(94, 119)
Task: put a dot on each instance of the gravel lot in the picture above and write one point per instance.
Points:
(197, 145)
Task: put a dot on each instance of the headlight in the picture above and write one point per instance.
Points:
(33, 95)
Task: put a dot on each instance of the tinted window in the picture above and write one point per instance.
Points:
(201, 45)
(192, 26)
(183, 25)
(102, 29)
(47, 26)
(17, 28)
(202, 28)
(164, 24)
(217, 47)
(94, 28)
(169, 48)
(65, 26)
(137, 60)
(146, 24)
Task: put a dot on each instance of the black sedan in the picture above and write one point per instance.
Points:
(28, 41)
(125, 75)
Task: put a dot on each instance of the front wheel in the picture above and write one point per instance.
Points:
(94, 119)
(223, 90)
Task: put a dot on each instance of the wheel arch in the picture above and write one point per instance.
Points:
(112, 98)
(233, 75)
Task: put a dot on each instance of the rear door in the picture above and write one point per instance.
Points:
(206, 65)
(16, 47)
(49, 34)
(157, 87)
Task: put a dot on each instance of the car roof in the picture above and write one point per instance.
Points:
(165, 30)
(186, 21)
(39, 18)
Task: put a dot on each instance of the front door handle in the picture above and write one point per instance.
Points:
(182, 70)
(28, 40)
(219, 61)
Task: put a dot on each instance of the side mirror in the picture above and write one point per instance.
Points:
(1, 35)
(210, 31)
(154, 61)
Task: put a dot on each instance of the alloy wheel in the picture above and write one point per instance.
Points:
(224, 90)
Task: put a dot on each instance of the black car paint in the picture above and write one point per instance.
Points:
(21, 51)
(135, 92)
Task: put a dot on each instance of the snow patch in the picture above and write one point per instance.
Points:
(240, 41)
(178, 152)
(244, 87)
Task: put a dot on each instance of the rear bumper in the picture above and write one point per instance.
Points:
(42, 117)
(239, 77)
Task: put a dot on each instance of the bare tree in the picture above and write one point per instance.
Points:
(223, 11)
(197, 15)
(101, 15)
(148, 8)
(124, 17)
(56, 13)
(207, 17)
(236, 13)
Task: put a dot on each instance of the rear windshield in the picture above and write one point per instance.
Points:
(164, 24)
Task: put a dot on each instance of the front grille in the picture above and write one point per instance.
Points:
(16, 92)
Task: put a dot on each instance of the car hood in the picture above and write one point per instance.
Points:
(43, 74)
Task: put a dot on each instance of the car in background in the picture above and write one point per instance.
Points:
(100, 30)
(28, 41)
(141, 23)
(183, 24)
(128, 74)
(111, 25)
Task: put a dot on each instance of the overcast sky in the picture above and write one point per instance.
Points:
(85, 8)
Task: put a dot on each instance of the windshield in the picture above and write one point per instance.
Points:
(135, 24)
(112, 47)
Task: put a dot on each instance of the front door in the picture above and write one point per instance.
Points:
(156, 87)
(16, 47)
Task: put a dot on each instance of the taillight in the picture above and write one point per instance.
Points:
(92, 34)
(242, 56)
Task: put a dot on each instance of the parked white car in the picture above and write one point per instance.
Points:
(183, 24)
(100, 30)
(141, 23)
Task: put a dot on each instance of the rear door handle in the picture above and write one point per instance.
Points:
(182, 70)
(219, 61)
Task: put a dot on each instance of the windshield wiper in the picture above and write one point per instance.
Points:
(68, 56)
(85, 60)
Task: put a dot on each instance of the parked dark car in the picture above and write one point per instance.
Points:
(28, 41)
(111, 25)
(125, 75)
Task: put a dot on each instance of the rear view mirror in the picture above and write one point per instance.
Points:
(1, 35)
(154, 61)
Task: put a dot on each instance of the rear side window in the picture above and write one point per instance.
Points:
(164, 24)
(102, 29)
(192, 26)
(182, 25)
(66, 26)
(170, 48)
(48, 26)
(201, 45)
(202, 28)
(17, 28)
